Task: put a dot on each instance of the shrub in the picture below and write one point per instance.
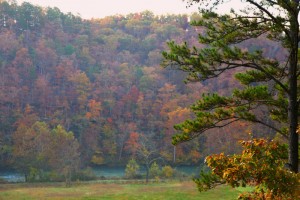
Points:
(132, 169)
(154, 170)
(33, 175)
(86, 174)
(261, 164)
(168, 171)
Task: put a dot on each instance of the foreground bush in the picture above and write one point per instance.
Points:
(261, 164)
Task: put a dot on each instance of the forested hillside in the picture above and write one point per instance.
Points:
(94, 89)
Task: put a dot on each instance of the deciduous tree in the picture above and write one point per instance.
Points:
(64, 155)
(261, 164)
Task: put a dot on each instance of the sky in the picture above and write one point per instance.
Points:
(88, 9)
(100, 8)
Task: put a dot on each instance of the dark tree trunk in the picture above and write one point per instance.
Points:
(293, 123)
(147, 174)
(292, 96)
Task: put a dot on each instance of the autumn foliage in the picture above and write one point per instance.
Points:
(100, 79)
(261, 165)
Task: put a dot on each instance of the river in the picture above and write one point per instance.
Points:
(104, 172)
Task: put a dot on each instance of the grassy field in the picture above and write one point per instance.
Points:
(109, 191)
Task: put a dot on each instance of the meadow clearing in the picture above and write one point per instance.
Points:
(115, 191)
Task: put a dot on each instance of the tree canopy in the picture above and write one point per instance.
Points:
(99, 79)
(269, 83)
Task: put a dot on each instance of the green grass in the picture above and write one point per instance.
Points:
(101, 191)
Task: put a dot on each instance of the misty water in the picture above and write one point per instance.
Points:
(100, 172)
(11, 176)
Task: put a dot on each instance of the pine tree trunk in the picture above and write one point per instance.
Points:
(292, 97)
(293, 135)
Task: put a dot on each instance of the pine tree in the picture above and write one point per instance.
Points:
(269, 83)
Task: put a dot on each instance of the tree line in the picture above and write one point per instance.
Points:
(98, 84)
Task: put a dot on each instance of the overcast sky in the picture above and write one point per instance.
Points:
(100, 8)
